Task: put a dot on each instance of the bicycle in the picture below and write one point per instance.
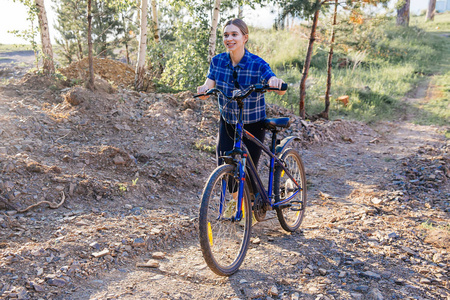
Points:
(228, 200)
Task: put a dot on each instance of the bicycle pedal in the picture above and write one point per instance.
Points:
(296, 205)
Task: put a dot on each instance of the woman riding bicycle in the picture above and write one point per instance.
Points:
(234, 70)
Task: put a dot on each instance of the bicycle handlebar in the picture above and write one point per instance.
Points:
(261, 88)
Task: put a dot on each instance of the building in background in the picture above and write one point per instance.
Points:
(442, 6)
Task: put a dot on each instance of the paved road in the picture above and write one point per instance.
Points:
(26, 56)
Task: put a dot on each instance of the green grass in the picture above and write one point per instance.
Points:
(437, 109)
(203, 145)
(374, 91)
(13, 47)
(429, 225)
(441, 22)
(384, 64)
(280, 48)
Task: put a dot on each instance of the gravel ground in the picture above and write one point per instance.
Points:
(99, 194)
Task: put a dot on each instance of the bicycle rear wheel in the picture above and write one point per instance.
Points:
(290, 214)
(224, 242)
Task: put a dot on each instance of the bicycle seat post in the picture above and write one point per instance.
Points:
(274, 141)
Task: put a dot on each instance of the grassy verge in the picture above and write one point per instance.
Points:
(437, 109)
(375, 64)
(13, 47)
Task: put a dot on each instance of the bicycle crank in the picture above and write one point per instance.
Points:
(259, 210)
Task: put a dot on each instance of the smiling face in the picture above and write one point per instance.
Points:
(233, 38)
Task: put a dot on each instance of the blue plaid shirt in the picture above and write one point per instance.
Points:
(251, 70)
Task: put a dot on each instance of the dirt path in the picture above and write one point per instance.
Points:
(23, 56)
(15, 64)
(349, 248)
(132, 167)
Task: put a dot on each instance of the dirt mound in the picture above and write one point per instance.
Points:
(110, 70)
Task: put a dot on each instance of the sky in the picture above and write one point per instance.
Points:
(13, 16)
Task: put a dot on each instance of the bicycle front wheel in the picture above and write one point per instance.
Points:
(290, 214)
(223, 240)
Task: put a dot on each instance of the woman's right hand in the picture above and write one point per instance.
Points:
(209, 84)
(201, 90)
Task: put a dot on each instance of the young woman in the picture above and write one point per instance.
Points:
(238, 69)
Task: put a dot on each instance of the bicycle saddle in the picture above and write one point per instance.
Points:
(273, 123)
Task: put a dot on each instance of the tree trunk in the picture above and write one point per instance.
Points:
(213, 33)
(156, 37)
(240, 11)
(127, 54)
(431, 10)
(282, 23)
(140, 66)
(330, 65)
(47, 50)
(403, 13)
(36, 54)
(155, 22)
(127, 39)
(67, 51)
(90, 83)
(312, 38)
(80, 48)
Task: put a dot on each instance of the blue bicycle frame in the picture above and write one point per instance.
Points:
(274, 161)
(246, 163)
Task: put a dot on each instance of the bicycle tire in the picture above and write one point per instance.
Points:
(290, 217)
(223, 242)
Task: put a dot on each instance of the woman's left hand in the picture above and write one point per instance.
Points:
(275, 82)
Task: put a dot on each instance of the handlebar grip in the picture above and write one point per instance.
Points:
(284, 87)
(198, 95)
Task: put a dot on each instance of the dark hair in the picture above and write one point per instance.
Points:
(239, 24)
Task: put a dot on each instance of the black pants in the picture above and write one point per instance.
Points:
(225, 141)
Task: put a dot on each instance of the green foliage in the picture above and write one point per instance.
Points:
(106, 27)
(399, 4)
(203, 145)
(28, 35)
(186, 66)
(429, 225)
(156, 58)
(386, 43)
(14, 47)
(72, 26)
(276, 48)
(123, 187)
(185, 43)
(299, 8)
(437, 109)
(32, 31)
(112, 21)
(440, 24)
(375, 63)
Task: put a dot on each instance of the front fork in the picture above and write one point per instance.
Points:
(241, 165)
(240, 211)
